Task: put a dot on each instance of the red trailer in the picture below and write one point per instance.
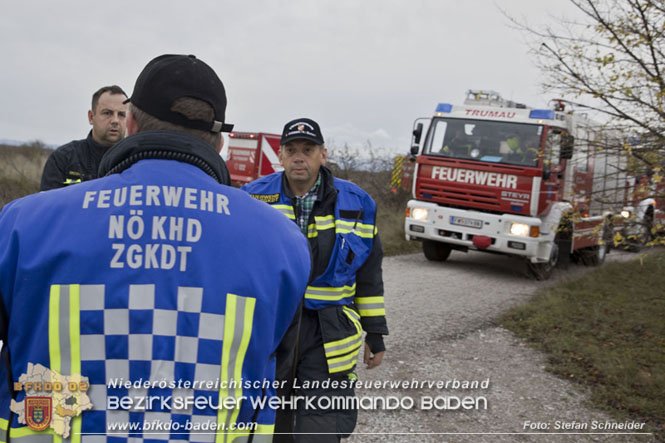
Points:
(252, 155)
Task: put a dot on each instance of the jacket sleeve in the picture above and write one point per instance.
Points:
(5, 376)
(369, 292)
(53, 175)
(6, 391)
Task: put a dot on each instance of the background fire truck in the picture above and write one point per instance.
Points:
(252, 155)
(496, 176)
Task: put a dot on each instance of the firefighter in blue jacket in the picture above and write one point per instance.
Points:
(149, 303)
(345, 294)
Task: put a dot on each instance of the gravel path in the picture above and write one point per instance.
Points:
(440, 317)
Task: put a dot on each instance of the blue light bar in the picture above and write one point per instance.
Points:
(542, 114)
(444, 107)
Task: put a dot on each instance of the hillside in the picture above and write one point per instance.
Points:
(20, 170)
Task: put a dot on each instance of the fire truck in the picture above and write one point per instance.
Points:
(252, 155)
(497, 176)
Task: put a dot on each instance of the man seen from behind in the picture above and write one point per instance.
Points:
(155, 296)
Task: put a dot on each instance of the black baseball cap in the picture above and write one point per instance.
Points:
(302, 129)
(169, 77)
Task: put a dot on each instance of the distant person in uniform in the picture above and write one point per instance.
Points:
(155, 281)
(459, 145)
(78, 160)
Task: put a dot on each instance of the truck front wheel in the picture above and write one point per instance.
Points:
(436, 251)
(595, 255)
(543, 271)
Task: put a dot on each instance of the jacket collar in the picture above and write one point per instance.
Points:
(97, 150)
(327, 185)
(172, 145)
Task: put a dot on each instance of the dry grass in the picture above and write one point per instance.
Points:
(606, 330)
(21, 170)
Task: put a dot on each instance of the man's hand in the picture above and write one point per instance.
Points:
(372, 360)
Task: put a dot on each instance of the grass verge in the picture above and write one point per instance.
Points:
(390, 222)
(606, 330)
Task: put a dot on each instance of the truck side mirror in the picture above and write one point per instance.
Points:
(415, 141)
(567, 144)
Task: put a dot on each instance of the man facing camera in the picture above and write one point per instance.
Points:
(78, 160)
(345, 294)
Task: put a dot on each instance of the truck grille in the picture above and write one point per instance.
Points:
(461, 196)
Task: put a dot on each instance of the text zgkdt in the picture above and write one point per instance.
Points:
(483, 178)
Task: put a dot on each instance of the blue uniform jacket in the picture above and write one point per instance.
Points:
(153, 283)
(347, 286)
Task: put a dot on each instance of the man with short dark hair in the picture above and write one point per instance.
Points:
(345, 295)
(155, 296)
(78, 160)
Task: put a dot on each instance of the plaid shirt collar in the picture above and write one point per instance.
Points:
(305, 204)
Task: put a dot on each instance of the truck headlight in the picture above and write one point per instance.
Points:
(419, 214)
(625, 213)
(521, 229)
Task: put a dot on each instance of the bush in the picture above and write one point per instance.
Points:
(21, 170)
(372, 172)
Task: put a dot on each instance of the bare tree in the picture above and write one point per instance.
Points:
(611, 61)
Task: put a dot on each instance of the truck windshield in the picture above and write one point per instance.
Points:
(482, 140)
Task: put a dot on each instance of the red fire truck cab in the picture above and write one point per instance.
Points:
(497, 176)
(252, 155)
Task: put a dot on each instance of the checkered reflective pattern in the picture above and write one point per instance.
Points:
(140, 336)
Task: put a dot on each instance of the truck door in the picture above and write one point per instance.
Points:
(553, 169)
(582, 164)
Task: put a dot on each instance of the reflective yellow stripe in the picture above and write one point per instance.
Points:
(324, 222)
(356, 225)
(54, 328)
(343, 363)
(286, 210)
(75, 346)
(312, 231)
(264, 429)
(70, 181)
(321, 223)
(347, 348)
(359, 229)
(330, 293)
(4, 426)
(26, 432)
(238, 320)
(366, 300)
(372, 312)
(351, 313)
(370, 306)
(354, 346)
(354, 342)
(355, 232)
(64, 340)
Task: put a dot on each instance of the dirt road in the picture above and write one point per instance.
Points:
(442, 330)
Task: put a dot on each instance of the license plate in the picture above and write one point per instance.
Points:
(468, 222)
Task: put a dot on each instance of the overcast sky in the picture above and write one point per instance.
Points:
(363, 69)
